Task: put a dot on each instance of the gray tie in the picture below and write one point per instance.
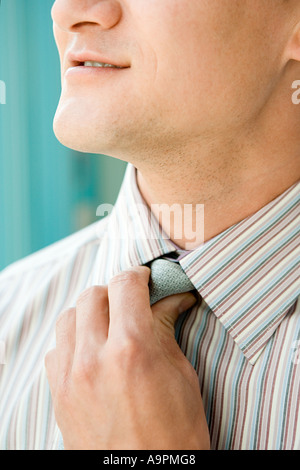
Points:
(167, 278)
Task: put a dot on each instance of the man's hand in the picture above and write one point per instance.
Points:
(118, 378)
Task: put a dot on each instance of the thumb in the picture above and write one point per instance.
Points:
(167, 310)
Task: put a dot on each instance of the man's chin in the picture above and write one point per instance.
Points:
(77, 137)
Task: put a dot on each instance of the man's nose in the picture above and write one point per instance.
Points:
(73, 15)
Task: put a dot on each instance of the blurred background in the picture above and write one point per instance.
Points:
(46, 190)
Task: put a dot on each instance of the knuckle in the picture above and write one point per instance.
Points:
(125, 277)
(91, 294)
(48, 359)
(64, 320)
(65, 316)
(84, 369)
(127, 352)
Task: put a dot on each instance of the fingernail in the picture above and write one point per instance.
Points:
(188, 301)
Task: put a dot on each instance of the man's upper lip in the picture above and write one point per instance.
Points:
(74, 59)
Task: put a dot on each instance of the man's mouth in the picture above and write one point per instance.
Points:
(92, 63)
(87, 61)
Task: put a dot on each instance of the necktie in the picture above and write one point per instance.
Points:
(167, 278)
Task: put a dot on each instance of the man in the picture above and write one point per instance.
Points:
(197, 97)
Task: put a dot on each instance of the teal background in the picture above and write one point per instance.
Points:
(46, 190)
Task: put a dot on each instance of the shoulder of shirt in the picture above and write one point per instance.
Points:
(56, 252)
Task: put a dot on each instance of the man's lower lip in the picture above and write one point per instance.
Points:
(81, 70)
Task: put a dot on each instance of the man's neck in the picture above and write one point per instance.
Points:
(230, 187)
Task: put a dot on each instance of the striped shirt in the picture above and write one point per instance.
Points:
(242, 337)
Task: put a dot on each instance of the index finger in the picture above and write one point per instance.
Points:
(129, 302)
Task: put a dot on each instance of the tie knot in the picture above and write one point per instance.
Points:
(167, 278)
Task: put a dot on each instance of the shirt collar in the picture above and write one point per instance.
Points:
(134, 227)
(248, 275)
